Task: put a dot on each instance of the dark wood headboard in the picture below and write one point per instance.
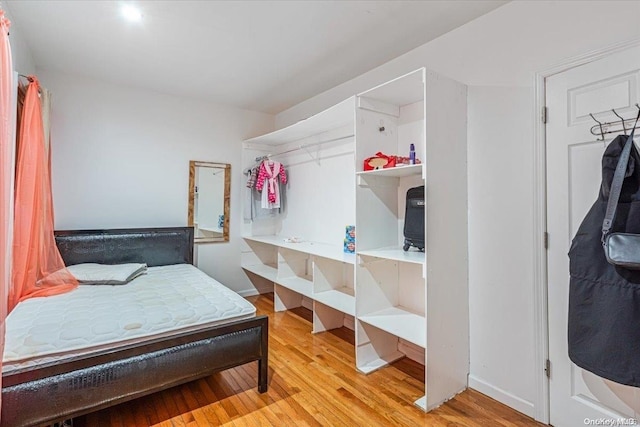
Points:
(153, 246)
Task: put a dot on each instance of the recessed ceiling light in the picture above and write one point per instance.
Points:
(131, 13)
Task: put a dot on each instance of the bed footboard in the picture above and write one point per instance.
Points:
(78, 387)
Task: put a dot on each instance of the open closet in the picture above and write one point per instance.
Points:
(399, 303)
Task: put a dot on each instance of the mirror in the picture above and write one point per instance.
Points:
(209, 195)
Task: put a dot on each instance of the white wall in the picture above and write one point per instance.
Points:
(501, 243)
(121, 159)
(502, 49)
(20, 51)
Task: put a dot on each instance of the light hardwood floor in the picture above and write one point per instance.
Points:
(312, 382)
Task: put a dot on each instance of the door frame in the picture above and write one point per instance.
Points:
(540, 279)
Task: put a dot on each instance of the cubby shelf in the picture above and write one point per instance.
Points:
(396, 254)
(303, 286)
(341, 299)
(263, 270)
(401, 323)
(334, 252)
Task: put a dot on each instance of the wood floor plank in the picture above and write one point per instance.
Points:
(325, 416)
(172, 408)
(181, 403)
(312, 382)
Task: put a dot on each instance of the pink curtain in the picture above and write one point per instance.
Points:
(38, 269)
(6, 170)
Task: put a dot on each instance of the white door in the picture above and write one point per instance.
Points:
(573, 181)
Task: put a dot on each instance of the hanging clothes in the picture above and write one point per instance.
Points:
(604, 300)
(253, 209)
(253, 176)
(270, 171)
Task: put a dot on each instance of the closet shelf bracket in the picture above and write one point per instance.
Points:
(314, 158)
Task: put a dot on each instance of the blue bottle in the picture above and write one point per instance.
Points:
(412, 154)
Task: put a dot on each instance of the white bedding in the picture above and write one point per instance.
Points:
(102, 274)
(166, 300)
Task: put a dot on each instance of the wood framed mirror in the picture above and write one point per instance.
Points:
(209, 198)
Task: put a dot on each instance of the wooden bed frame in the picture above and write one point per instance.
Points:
(51, 393)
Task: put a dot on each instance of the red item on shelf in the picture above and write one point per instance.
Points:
(379, 161)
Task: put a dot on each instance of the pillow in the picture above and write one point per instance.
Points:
(102, 274)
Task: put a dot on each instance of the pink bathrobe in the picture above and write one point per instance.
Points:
(269, 173)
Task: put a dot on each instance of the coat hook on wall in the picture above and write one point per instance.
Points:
(601, 129)
(616, 126)
(624, 128)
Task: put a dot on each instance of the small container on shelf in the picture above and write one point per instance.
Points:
(350, 239)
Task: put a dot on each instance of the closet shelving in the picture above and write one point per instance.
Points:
(400, 303)
(390, 282)
(314, 272)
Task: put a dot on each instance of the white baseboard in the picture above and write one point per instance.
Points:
(265, 289)
(412, 351)
(502, 396)
(248, 293)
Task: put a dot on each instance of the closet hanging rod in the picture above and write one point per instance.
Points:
(302, 147)
(616, 126)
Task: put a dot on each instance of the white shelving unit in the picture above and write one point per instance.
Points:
(314, 271)
(400, 303)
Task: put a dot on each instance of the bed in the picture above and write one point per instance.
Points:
(50, 387)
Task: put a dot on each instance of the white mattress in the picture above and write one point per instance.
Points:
(163, 302)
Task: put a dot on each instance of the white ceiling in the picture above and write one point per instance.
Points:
(259, 55)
